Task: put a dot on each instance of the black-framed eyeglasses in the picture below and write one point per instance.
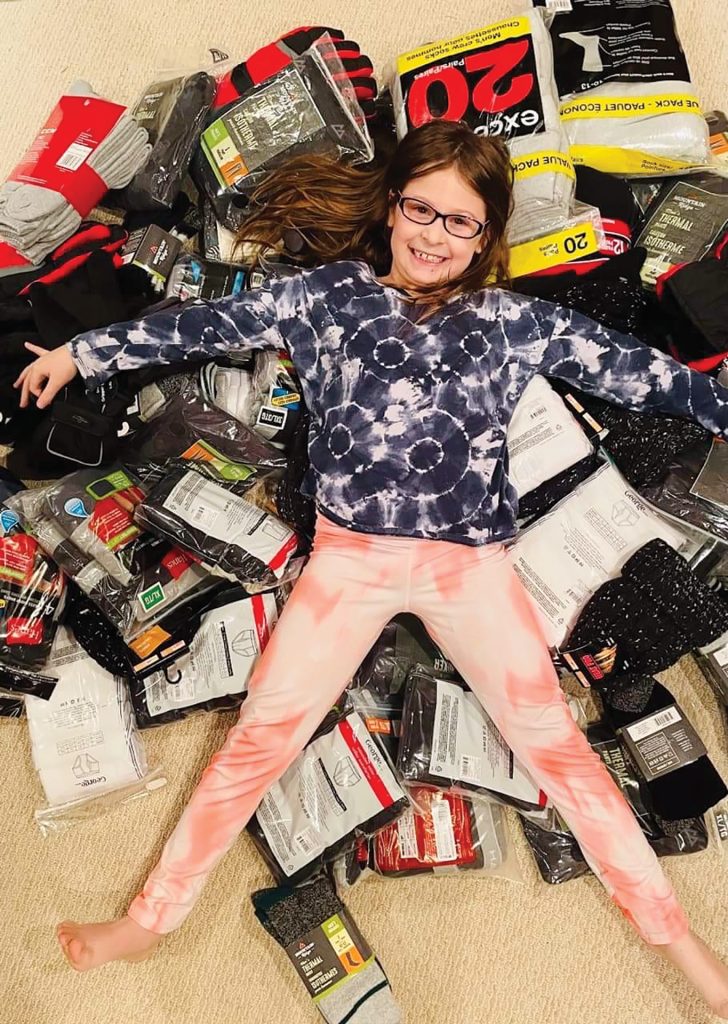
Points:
(458, 224)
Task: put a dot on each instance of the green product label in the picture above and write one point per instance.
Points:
(203, 452)
(327, 956)
(105, 486)
(152, 596)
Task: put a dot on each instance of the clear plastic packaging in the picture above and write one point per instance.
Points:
(449, 742)
(213, 674)
(685, 222)
(226, 533)
(556, 851)
(473, 78)
(446, 833)
(543, 438)
(191, 428)
(11, 706)
(194, 277)
(338, 789)
(672, 493)
(268, 399)
(308, 106)
(85, 746)
(32, 591)
(85, 523)
(629, 106)
(172, 109)
(565, 556)
(403, 643)
(581, 234)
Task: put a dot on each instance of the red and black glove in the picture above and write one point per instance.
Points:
(270, 59)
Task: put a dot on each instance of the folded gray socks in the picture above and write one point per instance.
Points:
(35, 220)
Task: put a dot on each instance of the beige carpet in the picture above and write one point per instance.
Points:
(457, 951)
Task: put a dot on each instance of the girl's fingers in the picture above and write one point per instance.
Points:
(44, 396)
(21, 377)
(32, 347)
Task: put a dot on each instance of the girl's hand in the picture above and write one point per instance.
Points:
(46, 376)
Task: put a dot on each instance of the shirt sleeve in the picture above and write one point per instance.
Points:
(621, 369)
(197, 331)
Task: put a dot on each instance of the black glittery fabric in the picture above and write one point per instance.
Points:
(657, 611)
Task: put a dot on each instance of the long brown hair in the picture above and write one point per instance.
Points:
(340, 211)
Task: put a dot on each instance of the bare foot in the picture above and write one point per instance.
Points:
(89, 945)
(702, 968)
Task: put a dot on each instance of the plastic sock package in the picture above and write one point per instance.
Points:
(446, 833)
(32, 591)
(85, 523)
(192, 428)
(543, 437)
(499, 80)
(629, 106)
(269, 400)
(213, 675)
(11, 706)
(674, 496)
(448, 741)
(308, 106)
(84, 744)
(338, 788)
(172, 109)
(556, 851)
(582, 542)
(403, 643)
(230, 536)
(685, 222)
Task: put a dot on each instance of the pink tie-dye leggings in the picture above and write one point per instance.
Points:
(476, 610)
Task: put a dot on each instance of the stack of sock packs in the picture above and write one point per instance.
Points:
(35, 219)
(630, 106)
(332, 958)
(474, 78)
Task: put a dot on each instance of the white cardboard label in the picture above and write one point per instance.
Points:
(543, 437)
(444, 832)
(227, 517)
(564, 557)
(221, 657)
(467, 742)
(325, 794)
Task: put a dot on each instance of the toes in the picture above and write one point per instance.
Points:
(76, 954)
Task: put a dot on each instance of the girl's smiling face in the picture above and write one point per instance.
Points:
(427, 254)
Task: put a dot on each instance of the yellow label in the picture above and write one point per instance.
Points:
(278, 401)
(541, 162)
(551, 250)
(511, 28)
(149, 641)
(615, 160)
(629, 106)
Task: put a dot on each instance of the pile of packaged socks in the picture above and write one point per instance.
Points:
(142, 580)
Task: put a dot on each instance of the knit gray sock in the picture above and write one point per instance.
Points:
(332, 959)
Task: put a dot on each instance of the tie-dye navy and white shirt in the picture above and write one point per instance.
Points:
(409, 420)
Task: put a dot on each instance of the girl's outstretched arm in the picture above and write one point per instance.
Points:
(198, 330)
(621, 369)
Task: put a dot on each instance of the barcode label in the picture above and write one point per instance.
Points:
(407, 836)
(469, 768)
(74, 156)
(304, 840)
(654, 723)
(558, 5)
(444, 832)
